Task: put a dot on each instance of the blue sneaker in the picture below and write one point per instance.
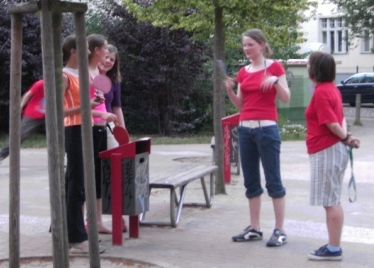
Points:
(324, 254)
(248, 234)
(277, 239)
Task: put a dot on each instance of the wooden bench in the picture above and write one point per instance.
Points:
(180, 179)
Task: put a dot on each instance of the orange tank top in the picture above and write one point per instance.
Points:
(72, 99)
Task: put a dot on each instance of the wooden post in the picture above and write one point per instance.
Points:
(57, 29)
(89, 174)
(15, 140)
(357, 121)
(59, 250)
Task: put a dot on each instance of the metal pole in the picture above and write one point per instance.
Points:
(357, 121)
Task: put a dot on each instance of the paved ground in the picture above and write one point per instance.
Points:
(202, 238)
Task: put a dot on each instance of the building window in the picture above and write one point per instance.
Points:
(367, 42)
(324, 23)
(339, 22)
(334, 34)
(324, 37)
(332, 24)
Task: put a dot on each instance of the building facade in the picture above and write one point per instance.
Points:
(327, 29)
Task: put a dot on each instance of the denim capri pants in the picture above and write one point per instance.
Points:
(261, 144)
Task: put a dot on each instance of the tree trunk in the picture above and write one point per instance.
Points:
(57, 29)
(218, 99)
(87, 146)
(52, 136)
(15, 140)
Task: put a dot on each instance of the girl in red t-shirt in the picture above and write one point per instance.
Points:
(327, 140)
(259, 84)
(33, 106)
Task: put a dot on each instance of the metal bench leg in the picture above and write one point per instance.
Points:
(179, 201)
(208, 199)
(212, 186)
(142, 218)
(172, 208)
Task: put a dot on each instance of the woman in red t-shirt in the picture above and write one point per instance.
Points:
(33, 106)
(327, 140)
(259, 84)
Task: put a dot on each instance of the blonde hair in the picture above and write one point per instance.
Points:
(259, 37)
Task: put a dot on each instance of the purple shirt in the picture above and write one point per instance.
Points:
(113, 97)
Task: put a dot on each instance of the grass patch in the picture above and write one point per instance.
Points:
(288, 132)
(292, 132)
(35, 141)
(39, 141)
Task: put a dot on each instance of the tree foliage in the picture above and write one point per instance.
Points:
(279, 19)
(358, 15)
(162, 72)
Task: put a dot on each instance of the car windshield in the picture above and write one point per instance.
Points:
(360, 78)
(368, 79)
(353, 79)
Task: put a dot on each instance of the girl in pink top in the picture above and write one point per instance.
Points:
(98, 47)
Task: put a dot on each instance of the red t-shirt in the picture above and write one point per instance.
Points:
(324, 107)
(258, 104)
(35, 108)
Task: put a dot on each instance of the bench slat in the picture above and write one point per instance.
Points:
(176, 172)
(185, 177)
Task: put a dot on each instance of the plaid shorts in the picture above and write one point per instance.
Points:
(327, 171)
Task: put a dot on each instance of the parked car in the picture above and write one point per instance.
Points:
(360, 83)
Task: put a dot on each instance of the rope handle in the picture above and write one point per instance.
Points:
(352, 181)
(110, 129)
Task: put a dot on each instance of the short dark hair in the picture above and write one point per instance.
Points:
(68, 44)
(322, 67)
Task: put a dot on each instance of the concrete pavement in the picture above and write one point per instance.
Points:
(203, 236)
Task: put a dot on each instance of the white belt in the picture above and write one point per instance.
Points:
(257, 123)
